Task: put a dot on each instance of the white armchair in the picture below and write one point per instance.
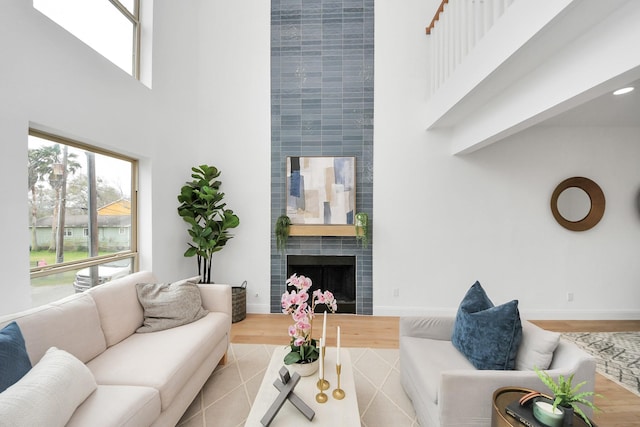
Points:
(448, 391)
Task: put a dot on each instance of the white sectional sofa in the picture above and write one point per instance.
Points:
(143, 379)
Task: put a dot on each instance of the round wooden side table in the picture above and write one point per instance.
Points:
(504, 396)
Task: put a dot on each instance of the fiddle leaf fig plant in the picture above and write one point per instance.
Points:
(566, 395)
(202, 207)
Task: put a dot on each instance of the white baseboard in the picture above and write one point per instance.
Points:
(258, 308)
(581, 314)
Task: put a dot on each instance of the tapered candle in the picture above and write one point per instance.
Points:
(338, 348)
(321, 371)
(324, 330)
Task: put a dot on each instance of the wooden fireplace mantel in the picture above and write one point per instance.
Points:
(322, 230)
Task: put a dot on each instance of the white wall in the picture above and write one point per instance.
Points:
(235, 130)
(52, 81)
(441, 222)
(209, 103)
(485, 216)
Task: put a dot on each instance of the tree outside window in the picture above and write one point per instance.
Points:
(81, 213)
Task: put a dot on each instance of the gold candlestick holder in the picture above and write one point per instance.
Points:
(338, 393)
(321, 397)
(322, 383)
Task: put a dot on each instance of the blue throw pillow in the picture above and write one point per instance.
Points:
(14, 360)
(487, 335)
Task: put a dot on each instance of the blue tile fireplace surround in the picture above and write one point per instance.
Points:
(322, 105)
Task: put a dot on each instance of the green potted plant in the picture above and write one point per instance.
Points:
(362, 228)
(202, 207)
(567, 396)
(282, 232)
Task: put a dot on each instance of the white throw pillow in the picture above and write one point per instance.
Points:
(536, 348)
(49, 393)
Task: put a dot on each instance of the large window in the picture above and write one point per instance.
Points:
(111, 27)
(82, 216)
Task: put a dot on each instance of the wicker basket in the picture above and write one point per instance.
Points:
(239, 302)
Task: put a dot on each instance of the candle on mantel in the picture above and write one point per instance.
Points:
(324, 330)
(338, 348)
(321, 371)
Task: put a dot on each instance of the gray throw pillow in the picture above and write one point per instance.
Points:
(167, 305)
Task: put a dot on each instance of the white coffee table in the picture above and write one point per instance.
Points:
(333, 413)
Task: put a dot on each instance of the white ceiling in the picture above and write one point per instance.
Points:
(606, 110)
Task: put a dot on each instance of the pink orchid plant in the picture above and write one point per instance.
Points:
(303, 346)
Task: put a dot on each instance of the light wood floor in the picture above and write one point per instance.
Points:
(620, 408)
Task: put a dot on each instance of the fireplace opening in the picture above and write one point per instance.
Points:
(333, 273)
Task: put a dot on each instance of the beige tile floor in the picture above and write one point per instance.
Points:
(225, 399)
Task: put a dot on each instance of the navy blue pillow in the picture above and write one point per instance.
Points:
(14, 360)
(487, 335)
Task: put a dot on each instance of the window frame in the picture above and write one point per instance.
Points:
(46, 270)
(134, 18)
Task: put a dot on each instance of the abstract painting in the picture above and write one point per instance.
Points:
(321, 190)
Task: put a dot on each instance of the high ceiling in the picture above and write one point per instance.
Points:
(606, 110)
(559, 71)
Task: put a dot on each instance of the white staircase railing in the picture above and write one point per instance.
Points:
(455, 29)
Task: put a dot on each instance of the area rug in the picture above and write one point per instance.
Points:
(617, 355)
(226, 398)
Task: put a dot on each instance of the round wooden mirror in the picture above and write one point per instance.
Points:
(577, 203)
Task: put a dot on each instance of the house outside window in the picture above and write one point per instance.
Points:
(80, 199)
